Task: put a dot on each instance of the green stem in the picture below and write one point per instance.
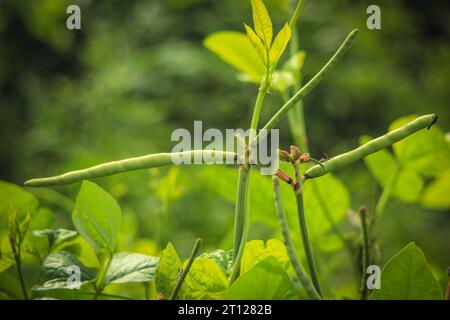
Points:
(99, 285)
(296, 14)
(136, 163)
(311, 83)
(195, 251)
(304, 230)
(366, 253)
(303, 277)
(385, 195)
(18, 259)
(242, 208)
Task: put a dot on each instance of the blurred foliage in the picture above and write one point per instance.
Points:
(138, 69)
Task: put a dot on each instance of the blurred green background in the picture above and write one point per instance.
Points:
(137, 70)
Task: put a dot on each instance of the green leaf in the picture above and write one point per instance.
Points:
(56, 237)
(131, 268)
(425, 152)
(408, 186)
(56, 272)
(436, 194)
(168, 270)
(257, 44)
(295, 63)
(205, 281)
(18, 199)
(262, 22)
(407, 276)
(280, 43)
(97, 217)
(267, 280)
(255, 251)
(223, 258)
(236, 49)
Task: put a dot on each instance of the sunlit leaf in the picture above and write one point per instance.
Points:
(236, 49)
(17, 198)
(262, 22)
(256, 251)
(407, 276)
(56, 237)
(267, 280)
(97, 216)
(257, 43)
(168, 271)
(205, 280)
(437, 194)
(408, 186)
(280, 43)
(223, 258)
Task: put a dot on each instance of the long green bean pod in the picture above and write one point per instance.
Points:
(371, 147)
(301, 274)
(136, 163)
(313, 82)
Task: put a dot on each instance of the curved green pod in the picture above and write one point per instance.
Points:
(136, 163)
(371, 147)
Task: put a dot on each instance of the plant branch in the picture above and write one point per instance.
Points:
(296, 14)
(195, 251)
(311, 83)
(304, 231)
(303, 277)
(365, 251)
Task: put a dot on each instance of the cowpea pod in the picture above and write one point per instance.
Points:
(136, 163)
(371, 147)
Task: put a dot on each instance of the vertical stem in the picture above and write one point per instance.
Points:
(385, 195)
(303, 277)
(242, 211)
(99, 284)
(195, 251)
(365, 253)
(304, 230)
(18, 259)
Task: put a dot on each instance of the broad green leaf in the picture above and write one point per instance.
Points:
(223, 258)
(56, 237)
(408, 186)
(255, 251)
(436, 194)
(257, 44)
(280, 43)
(58, 268)
(381, 164)
(97, 217)
(236, 49)
(267, 280)
(17, 198)
(168, 270)
(205, 281)
(80, 248)
(426, 151)
(262, 22)
(131, 268)
(407, 276)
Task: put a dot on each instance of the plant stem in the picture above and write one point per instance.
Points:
(313, 82)
(242, 209)
(303, 277)
(304, 230)
(385, 195)
(18, 259)
(365, 251)
(99, 285)
(296, 14)
(195, 251)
